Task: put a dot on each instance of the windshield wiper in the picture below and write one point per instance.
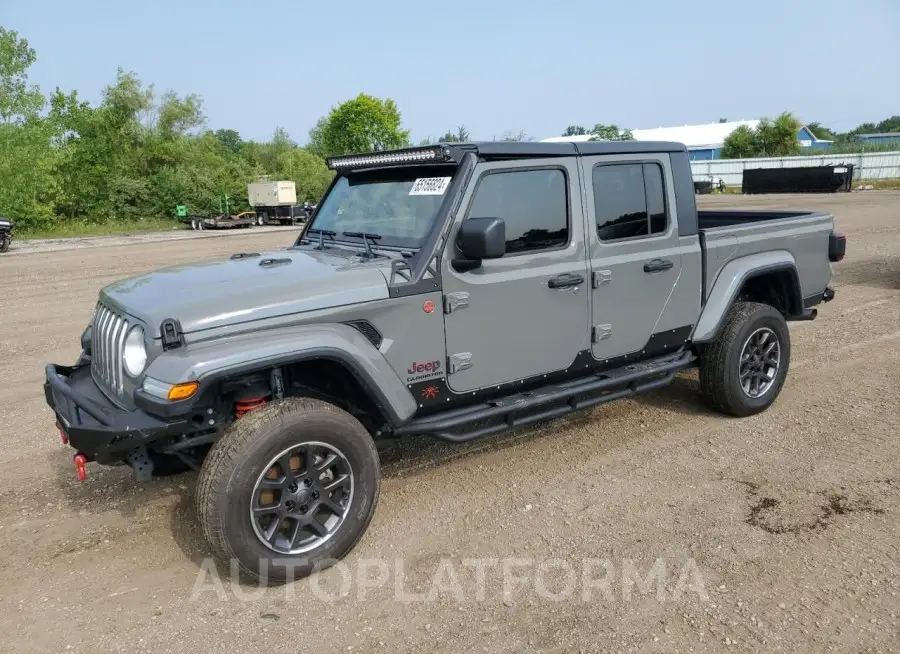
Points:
(366, 236)
(322, 234)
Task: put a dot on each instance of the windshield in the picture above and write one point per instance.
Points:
(400, 206)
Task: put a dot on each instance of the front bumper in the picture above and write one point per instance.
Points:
(95, 426)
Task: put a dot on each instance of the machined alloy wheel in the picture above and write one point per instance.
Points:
(760, 359)
(744, 369)
(288, 489)
(302, 497)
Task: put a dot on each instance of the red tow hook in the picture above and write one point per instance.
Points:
(80, 462)
(62, 435)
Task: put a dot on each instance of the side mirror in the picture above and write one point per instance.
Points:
(482, 238)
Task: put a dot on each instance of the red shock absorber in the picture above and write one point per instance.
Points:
(246, 405)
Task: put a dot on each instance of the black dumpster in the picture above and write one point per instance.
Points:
(832, 178)
(703, 187)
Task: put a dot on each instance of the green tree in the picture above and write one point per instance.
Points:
(138, 152)
(778, 138)
(19, 101)
(461, 135)
(27, 186)
(179, 116)
(308, 172)
(575, 130)
(740, 144)
(103, 167)
(820, 131)
(864, 128)
(515, 136)
(362, 124)
(771, 138)
(891, 124)
(601, 132)
(229, 139)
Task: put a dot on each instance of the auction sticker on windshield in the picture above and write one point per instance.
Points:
(430, 186)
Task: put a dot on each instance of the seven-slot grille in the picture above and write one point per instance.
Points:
(107, 342)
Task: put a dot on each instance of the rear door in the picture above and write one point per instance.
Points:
(636, 257)
(524, 315)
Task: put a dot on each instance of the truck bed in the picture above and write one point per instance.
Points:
(723, 218)
(729, 235)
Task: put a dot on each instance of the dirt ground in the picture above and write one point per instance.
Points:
(644, 525)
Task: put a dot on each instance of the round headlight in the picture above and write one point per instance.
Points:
(134, 354)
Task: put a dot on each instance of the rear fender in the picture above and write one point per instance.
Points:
(729, 283)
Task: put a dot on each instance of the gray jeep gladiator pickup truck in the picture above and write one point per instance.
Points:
(456, 291)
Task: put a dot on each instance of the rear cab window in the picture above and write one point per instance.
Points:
(629, 201)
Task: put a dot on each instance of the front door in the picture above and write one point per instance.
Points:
(636, 257)
(524, 315)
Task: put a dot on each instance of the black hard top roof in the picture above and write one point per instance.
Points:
(448, 153)
(567, 149)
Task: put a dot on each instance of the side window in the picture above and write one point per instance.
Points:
(656, 197)
(533, 204)
(629, 201)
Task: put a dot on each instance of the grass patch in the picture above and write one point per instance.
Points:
(70, 229)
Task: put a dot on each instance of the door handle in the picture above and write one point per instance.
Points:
(566, 280)
(657, 265)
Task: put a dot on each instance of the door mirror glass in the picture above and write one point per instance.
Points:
(482, 238)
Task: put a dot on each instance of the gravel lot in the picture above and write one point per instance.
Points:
(773, 533)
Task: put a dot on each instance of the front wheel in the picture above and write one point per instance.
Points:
(4, 242)
(744, 369)
(289, 489)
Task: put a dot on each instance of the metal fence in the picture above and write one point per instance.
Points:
(871, 166)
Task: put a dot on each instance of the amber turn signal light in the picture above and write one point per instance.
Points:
(183, 391)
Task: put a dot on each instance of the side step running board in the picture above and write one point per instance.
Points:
(516, 410)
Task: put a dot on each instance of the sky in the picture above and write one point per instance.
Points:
(494, 66)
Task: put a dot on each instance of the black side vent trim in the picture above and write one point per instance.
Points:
(244, 255)
(170, 331)
(368, 330)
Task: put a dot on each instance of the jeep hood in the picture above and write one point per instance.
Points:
(223, 292)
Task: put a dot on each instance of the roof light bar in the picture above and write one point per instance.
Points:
(436, 153)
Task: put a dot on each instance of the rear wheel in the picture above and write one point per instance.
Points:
(744, 370)
(288, 489)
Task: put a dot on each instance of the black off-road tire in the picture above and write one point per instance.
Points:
(720, 363)
(236, 461)
(4, 244)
